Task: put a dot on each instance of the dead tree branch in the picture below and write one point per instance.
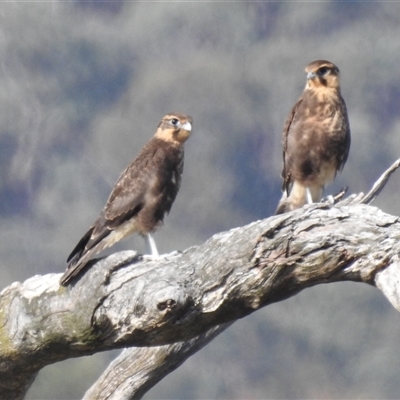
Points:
(380, 184)
(179, 304)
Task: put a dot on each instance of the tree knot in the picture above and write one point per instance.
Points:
(167, 305)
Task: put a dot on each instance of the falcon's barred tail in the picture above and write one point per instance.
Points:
(143, 194)
(77, 252)
(82, 254)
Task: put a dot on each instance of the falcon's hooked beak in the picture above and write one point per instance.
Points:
(311, 75)
(187, 126)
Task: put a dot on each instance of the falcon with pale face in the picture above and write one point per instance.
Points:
(143, 194)
(316, 138)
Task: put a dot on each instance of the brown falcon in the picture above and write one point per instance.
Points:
(316, 138)
(142, 195)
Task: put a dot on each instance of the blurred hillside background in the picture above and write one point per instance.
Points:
(83, 87)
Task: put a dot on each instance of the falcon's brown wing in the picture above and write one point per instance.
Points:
(286, 177)
(344, 137)
(142, 195)
(125, 200)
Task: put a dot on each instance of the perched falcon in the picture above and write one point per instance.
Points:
(142, 195)
(316, 138)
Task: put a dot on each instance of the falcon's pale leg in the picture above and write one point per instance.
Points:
(151, 245)
(309, 197)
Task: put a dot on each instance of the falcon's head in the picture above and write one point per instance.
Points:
(175, 127)
(322, 73)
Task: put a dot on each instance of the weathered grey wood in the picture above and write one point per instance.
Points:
(124, 301)
(136, 370)
(380, 183)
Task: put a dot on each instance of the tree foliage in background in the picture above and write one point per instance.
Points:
(83, 87)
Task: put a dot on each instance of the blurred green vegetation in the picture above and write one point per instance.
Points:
(83, 86)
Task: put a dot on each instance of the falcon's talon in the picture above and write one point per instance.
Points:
(150, 257)
(330, 199)
(161, 257)
(173, 254)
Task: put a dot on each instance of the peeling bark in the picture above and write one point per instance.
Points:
(171, 307)
(124, 300)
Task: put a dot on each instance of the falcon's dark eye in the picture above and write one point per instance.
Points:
(322, 70)
(174, 121)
